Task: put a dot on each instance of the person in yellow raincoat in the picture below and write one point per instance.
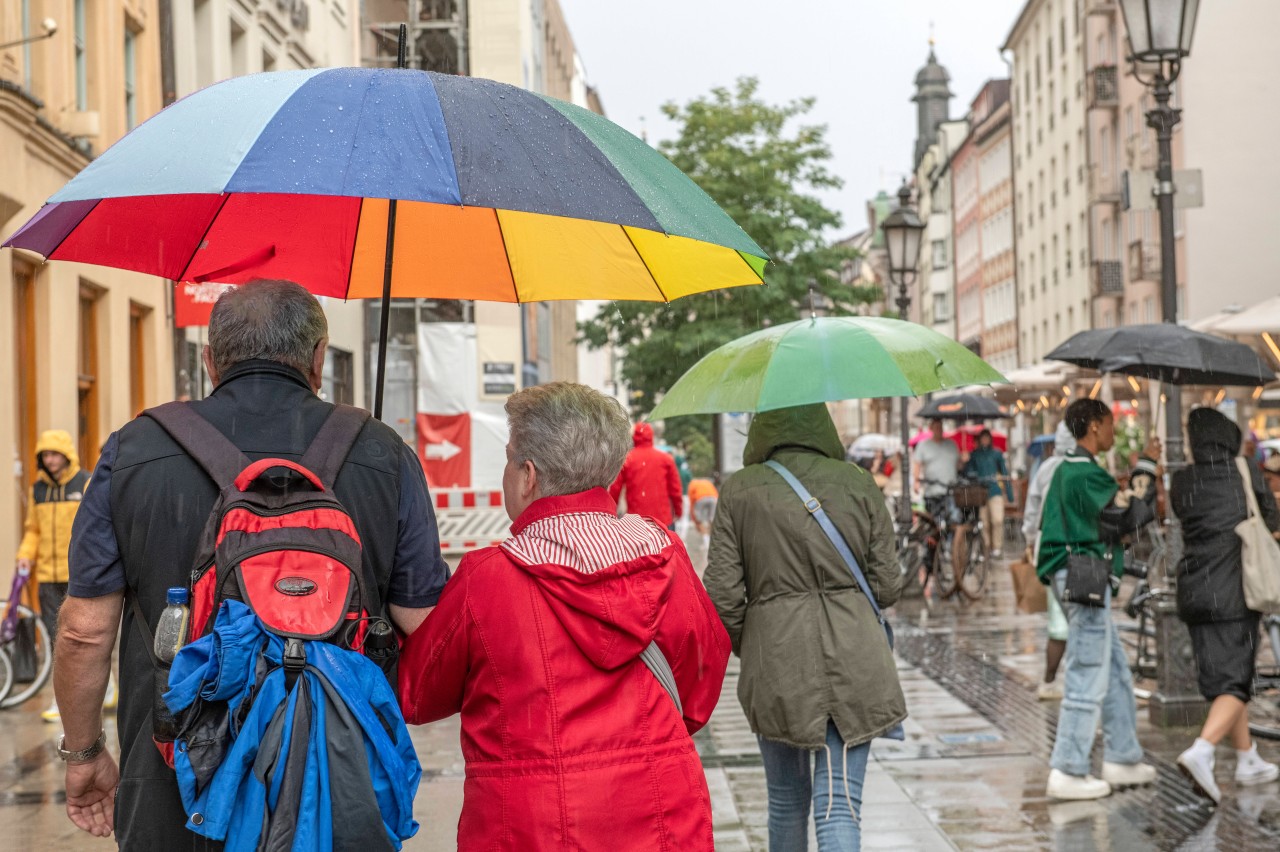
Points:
(51, 508)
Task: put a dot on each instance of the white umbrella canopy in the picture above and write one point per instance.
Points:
(1261, 318)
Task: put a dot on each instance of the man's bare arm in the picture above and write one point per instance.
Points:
(87, 629)
(409, 619)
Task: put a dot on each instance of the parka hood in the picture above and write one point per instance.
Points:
(607, 579)
(1063, 441)
(58, 441)
(1212, 435)
(642, 435)
(803, 426)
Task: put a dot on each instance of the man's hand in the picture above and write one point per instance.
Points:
(24, 565)
(91, 794)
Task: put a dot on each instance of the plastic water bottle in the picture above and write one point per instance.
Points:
(171, 632)
(171, 635)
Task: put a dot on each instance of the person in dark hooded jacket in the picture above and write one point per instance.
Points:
(1209, 499)
(817, 673)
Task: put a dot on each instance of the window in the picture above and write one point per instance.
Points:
(192, 381)
(88, 407)
(1149, 309)
(82, 64)
(130, 80)
(138, 317)
(939, 254)
(337, 379)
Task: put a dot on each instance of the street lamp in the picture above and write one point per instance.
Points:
(903, 232)
(1160, 34)
(50, 27)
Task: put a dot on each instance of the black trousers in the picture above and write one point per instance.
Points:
(51, 597)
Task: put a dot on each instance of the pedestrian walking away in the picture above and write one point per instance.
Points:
(703, 496)
(1056, 646)
(1209, 500)
(139, 528)
(986, 464)
(1085, 514)
(52, 503)
(582, 653)
(818, 678)
(649, 481)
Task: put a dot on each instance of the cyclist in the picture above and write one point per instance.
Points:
(937, 468)
(986, 465)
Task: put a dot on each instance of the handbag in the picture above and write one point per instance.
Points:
(851, 562)
(1259, 553)
(1088, 576)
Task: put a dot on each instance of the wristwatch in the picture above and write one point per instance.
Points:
(84, 755)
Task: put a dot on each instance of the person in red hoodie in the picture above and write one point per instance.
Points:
(582, 653)
(650, 479)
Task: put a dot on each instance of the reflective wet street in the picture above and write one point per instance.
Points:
(970, 774)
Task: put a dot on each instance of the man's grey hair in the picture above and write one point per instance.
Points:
(274, 320)
(576, 437)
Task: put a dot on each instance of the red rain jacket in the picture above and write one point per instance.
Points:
(650, 477)
(570, 742)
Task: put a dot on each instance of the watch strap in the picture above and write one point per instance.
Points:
(84, 755)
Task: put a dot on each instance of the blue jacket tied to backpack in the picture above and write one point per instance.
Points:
(264, 766)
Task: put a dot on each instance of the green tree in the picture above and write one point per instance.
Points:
(763, 165)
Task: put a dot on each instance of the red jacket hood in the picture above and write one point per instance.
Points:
(607, 579)
(642, 435)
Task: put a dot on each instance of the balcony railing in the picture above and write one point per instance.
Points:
(1108, 277)
(1104, 187)
(1137, 157)
(1104, 86)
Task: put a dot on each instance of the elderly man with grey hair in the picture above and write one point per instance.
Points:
(582, 653)
(137, 530)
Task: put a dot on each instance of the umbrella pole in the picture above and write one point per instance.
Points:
(385, 319)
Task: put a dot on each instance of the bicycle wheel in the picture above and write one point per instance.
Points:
(1267, 732)
(974, 579)
(6, 674)
(20, 692)
(912, 555)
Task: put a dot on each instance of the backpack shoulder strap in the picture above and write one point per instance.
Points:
(201, 440)
(332, 444)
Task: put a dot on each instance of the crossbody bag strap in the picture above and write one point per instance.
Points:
(819, 514)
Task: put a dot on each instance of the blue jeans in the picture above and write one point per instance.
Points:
(1097, 683)
(833, 785)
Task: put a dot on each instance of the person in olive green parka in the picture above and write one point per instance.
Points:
(817, 672)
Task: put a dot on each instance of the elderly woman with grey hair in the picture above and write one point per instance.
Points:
(582, 653)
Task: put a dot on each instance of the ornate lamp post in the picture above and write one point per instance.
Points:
(1159, 39)
(903, 232)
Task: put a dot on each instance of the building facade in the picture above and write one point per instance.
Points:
(86, 347)
(992, 135)
(1056, 287)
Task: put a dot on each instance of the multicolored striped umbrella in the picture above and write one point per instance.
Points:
(503, 195)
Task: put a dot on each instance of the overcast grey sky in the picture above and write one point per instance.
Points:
(857, 57)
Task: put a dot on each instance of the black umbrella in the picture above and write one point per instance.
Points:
(1167, 353)
(962, 406)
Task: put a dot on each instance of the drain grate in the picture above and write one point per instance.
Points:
(1171, 818)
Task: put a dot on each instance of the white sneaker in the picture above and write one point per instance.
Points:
(1128, 774)
(1075, 787)
(1051, 691)
(1252, 769)
(1197, 765)
(996, 553)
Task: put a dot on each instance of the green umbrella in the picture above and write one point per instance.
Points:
(822, 360)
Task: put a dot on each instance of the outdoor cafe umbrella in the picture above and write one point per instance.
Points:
(1167, 353)
(823, 359)
(962, 406)
(391, 182)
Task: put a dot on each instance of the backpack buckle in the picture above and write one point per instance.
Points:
(295, 655)
(812, 505)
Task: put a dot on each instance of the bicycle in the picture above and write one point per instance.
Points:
(24, 644)
(929, 546)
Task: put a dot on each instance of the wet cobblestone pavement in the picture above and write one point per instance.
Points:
(969, 776)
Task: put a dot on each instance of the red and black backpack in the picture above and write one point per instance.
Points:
(282, 544)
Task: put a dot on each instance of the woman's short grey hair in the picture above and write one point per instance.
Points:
(576, 437)
(274, 320)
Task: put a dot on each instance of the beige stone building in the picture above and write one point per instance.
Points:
(85, 347)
